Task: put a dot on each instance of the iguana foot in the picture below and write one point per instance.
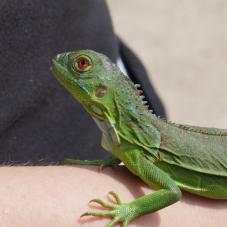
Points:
(120, 212)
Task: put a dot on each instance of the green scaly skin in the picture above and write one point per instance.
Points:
(164, 155)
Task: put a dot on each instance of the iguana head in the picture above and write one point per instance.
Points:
(90, 77)
(108, 95)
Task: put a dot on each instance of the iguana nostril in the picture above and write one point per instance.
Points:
(58, 57)
(62, 58)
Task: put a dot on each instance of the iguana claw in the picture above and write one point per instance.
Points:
(121, 212)
(102, 203)
(116, 197)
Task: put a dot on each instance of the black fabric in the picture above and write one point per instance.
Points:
(40, 122)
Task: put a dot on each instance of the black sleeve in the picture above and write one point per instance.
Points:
(40, 122)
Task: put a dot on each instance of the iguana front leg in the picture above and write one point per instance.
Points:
(110, 161)
(167, 194)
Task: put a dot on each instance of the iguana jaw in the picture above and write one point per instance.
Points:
(96, 111)
(63, 77)
(71, 83)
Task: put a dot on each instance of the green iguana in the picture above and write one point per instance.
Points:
(164, 155)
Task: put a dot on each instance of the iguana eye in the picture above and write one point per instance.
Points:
(82, 64)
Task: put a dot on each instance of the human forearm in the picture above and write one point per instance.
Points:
(58, 195)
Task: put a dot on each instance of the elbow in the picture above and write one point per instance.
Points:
(176, 194)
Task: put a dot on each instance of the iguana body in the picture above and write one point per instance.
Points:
(164, 155)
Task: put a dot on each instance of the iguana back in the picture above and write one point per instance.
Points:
(199, 149)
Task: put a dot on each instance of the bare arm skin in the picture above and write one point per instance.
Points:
(57, 196)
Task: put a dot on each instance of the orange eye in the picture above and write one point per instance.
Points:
(82, 64)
